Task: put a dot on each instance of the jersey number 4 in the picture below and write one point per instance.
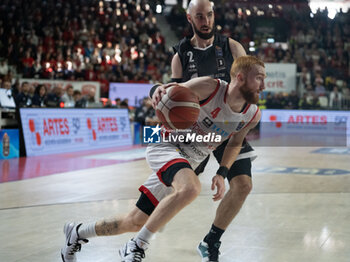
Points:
(215, 112)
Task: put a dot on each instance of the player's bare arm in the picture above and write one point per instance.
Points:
(230, 154)
(201, 86)
(176, 67)
(236, 141)
(236, 48)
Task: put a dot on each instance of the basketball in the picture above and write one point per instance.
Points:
(178, 108)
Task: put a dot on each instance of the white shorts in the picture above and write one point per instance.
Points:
(164, 159)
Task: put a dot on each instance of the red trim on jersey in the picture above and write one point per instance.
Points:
(169, 164)
(246, 109)
(252, 118)
(212, 94)
(226, 93)
(149, 194)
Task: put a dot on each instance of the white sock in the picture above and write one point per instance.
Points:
(87, 230)
(143, 237)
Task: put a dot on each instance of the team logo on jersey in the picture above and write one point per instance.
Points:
(207, 122)
(218, 51)
(240, 125)
(192, 68)
(221, 63)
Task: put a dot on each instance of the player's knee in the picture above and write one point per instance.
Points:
(242, 184)
(245, 189)
(189, 191)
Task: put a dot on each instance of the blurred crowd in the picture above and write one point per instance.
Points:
(119, 41)
(27, 94)
(88, 40)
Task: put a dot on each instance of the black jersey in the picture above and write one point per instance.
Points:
(214, 61)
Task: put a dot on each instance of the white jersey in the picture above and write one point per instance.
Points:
(216, 118)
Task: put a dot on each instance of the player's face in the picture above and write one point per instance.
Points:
(254, 84)
(202, 21)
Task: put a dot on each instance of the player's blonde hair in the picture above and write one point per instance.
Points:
(244, 64)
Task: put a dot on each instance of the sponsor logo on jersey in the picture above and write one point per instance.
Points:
(221, 63)
(207, 122)
(240, 125)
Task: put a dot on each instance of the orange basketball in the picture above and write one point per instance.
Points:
(178, 108)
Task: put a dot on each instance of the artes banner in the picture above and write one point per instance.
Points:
(305, 128)
(53, 131)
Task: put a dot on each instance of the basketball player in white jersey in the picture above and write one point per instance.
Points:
(173, 183)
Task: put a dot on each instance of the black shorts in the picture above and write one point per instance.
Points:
(166, 175)
(144, 204)
(239, 167)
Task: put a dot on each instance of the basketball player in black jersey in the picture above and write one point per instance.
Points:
(211, 54)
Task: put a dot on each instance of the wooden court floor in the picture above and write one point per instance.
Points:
(298, 211)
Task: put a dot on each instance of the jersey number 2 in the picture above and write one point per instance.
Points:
(215, 112)
(190, 54)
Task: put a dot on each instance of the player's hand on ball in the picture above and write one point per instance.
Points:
(160, 91)
(218, 182)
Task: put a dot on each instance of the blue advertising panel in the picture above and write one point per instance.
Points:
(9, 143)
(53, 131)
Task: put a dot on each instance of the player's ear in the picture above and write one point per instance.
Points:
(188, 16)
(241, 77)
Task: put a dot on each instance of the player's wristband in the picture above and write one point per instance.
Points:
(222, 171)
(177, 80)
(153, 89)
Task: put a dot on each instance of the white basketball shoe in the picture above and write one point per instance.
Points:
(73, 242)
(131, 252)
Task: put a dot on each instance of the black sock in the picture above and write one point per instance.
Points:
(214, 235)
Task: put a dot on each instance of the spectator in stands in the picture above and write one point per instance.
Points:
(117, 102)
(54, 98)
(320, 90)
(315, 103)
(6, 84)
(293, 100)
(78, 101)
(124, 103)
(4, 68)
(39, 96)
(269, 100)
(304, 102)
(145, 114)
(68, 98)
(15, 88)
(346, 98)
(90, 99)
(335, 99)
(23, 99)
(108, 104)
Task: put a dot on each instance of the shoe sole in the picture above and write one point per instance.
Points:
(200, 254)
(120, 256)
(66, 225)
(62, 257)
